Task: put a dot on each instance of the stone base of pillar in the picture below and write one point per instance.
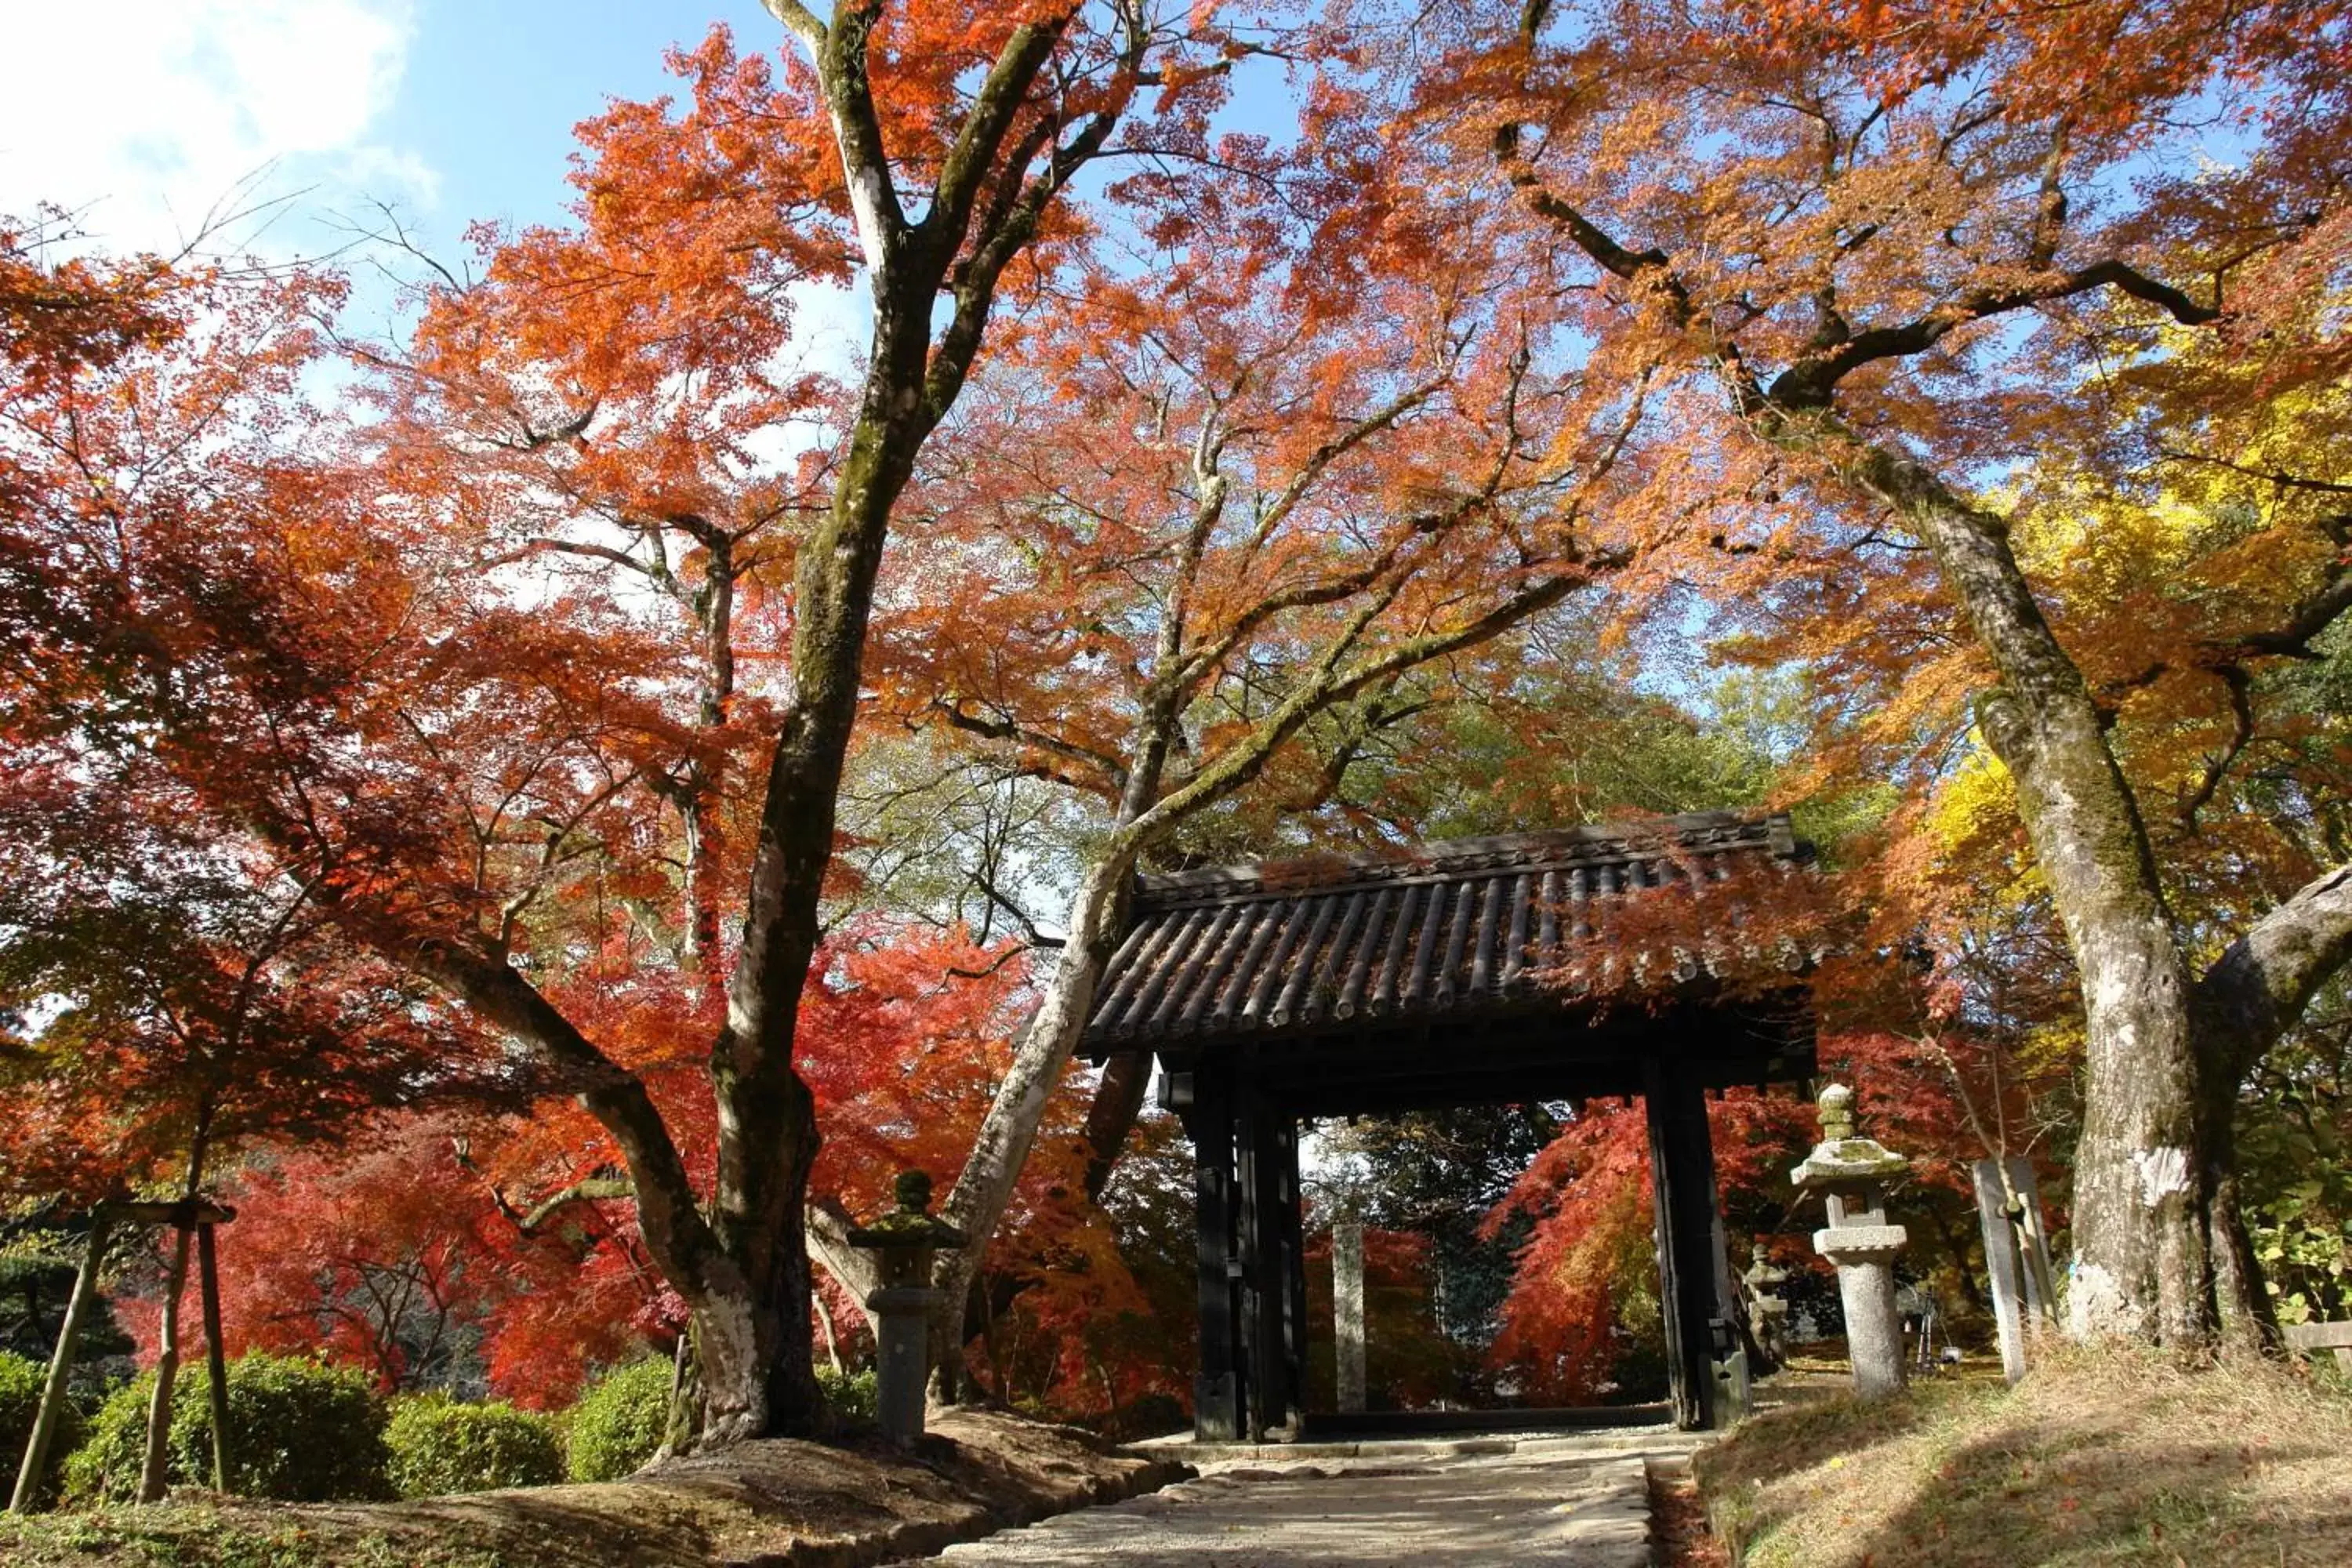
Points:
(901, 1360)
(1874, 1328)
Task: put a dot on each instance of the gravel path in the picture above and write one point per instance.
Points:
(1565, 1506)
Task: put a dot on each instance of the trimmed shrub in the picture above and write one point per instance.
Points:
(20, 1402)
(439, 1446)
(300, 1431)
(20, 1397)
(619, 1422)
(850, 1395)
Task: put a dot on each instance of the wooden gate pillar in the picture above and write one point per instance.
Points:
(1294, 1299)
(1204, 1096)
(1273, 1266)
(1694, 1276)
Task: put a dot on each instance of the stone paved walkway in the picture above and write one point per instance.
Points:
(1565, 1503)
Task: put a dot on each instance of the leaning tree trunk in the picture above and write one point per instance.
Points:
(2139, 1175)
(155, 1468)
(984, 1189)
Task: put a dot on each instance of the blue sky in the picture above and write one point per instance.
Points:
(142, 114)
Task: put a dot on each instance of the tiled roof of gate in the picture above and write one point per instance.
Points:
(1447, 930)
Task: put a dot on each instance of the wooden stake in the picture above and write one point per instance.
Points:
(215, 1359)
(53, 1393)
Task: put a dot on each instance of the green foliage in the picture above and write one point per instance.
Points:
(619, 1422)
(2294, 1129)
(20, 1400)
(1436, 1173)
(850, 1395)
(439, 1446)
(300, 1431)
(38, 1260)
(20, 1396)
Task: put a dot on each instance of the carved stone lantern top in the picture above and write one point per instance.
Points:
(1761, 1275)
(911, 1225)
(1844, 1160)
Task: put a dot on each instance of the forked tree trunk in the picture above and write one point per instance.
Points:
(2157, 1231)
(155, 1465)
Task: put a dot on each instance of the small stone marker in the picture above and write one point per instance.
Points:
(1849, 1170)
(2313, 1337)
(907, 1239)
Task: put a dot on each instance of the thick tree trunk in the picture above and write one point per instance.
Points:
(2156, 1222)
(2140, 1264)
(753, 1334)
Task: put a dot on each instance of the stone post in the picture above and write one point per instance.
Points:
(1348, 1311)
(1769, 1312)
(2017, 1258)
(1849, 1172)
(906, 1241)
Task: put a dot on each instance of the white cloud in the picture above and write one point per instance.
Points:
(148, 113)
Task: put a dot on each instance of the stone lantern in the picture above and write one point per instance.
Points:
(1851, 1172)
(1766, 1306)
(903, 1242)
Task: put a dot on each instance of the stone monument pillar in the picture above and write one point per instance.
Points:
(1348, 1311)
(905, 1240)
(1849, 1172)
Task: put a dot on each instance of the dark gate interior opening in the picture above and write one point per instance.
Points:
(1489, 971)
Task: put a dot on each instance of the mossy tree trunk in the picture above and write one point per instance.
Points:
(741, 1261)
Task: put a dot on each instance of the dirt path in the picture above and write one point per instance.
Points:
(1565, 1503)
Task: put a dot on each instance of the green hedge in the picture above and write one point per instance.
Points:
(299, 1432)
(850, 1395)
(20, 1402)
(619, 1422)
(439, 1446)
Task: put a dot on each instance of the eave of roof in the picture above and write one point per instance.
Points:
(1450, 930)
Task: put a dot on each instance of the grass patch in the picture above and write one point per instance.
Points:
(777, 1501)
(199, 1536)
(2105, 1457)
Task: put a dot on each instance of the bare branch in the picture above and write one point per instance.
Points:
(801, 22)
(2242, 733)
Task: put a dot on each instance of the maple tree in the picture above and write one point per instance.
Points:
(982, 117)
(484, 735)
(1220, 513)
(174, 988)
(461, 763)
(1903, 250)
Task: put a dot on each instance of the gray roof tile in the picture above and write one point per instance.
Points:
(1447, 930)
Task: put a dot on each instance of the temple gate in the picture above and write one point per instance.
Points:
(1536, 966)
